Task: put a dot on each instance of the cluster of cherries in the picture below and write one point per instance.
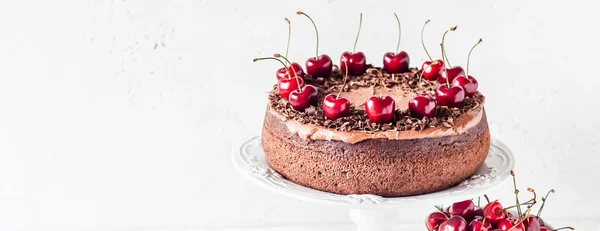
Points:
(465, 216)
(455, 83)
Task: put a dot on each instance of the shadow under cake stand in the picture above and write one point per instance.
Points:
(372, 212)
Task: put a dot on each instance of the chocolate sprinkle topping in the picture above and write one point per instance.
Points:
(358, 120)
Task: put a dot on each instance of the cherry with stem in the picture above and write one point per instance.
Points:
(467, 82)
(320, 65)
(430, 68)
(399, 61)
(380, 109)
(284, 72)
(285, 85)
(334, 106)
(284, 58)
(447, 95)
(356, 61)
(450, 72)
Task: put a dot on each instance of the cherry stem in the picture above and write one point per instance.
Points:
(345, 78)
(441, 209)
(486, 198)
(382, 82)
(534, 199)
(282, 63)
(422, 41)
(444, 56)
(357, 34)
(316, 31)
(566, 227)
(289, 37)
(399, 33)
(544, 202)
(445, 69)
(469, 56)
(519, 205)
(512, 173)
(293, 70)
(478, 201)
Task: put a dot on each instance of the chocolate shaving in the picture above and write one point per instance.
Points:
(358, 120)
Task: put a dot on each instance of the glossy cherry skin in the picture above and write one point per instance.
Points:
(453, 72)
(334, 107)
(434, 220)
(532, 224)
(451, 97)
(283, 72)
(431, 70)
(357, 63)
(512, 224)
(478, 225)
(286, 86)
(300, 100)
(422, 106)
(494, 212)
(478, 212)
(455, 223)
(544, 228)
(469, 84)
(380, 110)
(319, 67)
(396, 63)
(465, 209)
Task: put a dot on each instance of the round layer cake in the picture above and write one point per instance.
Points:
(352, 155)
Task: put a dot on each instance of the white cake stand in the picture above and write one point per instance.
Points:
(372, 212)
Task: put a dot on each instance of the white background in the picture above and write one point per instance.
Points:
(121, 115)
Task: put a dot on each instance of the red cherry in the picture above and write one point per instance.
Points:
(434, 220)
(335, 107)
(465, 209)
(431, 69)
(532, 224)
(286, 86)
(300, 100)
(494, 212)
(453, 72)
(512, 224)
(380, 110)
(354, 61)
(396, 63)
(478, 225)
(357, 63)
(478, 212)
(543, 228)
(422, 106)
(469, 84)
(451, 97)
(283, 73)
(455, 223)
(319, 67)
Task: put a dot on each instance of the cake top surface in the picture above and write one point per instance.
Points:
(401, 87)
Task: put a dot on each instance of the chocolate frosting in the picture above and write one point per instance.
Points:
(313, 125)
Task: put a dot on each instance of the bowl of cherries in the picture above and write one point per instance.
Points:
(493, 216)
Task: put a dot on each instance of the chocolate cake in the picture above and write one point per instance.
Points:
(353, 155)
